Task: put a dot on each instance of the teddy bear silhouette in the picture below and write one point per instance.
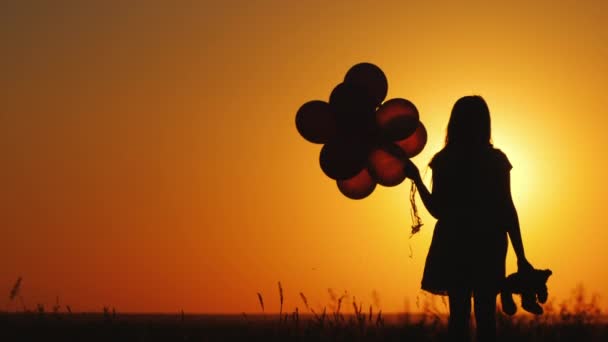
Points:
(531, 285)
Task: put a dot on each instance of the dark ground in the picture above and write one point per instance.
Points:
(149, 327)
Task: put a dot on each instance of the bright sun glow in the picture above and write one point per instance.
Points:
(523, 175)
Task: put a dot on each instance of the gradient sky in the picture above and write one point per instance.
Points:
(150, 160)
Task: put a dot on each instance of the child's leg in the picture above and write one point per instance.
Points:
(485, 314)
(460, 315)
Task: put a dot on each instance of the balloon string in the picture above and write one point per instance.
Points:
(416, 220)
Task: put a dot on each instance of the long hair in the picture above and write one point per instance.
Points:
(469, 124)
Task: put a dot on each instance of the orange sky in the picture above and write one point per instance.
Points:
(150, 160)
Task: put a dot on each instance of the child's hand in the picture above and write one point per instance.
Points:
(411, 171)
(523, 265)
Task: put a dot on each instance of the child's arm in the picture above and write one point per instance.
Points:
(513, 228)
(413, 173)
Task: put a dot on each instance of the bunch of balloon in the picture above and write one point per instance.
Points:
(365, 140)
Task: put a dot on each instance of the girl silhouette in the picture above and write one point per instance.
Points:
(471, 200)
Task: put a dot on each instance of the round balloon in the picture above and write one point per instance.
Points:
(386, 168)
(316, 122)
(342, 159)
(359, 186)
(414, 144)
(355, 113)
(349, 98)
(397, 119)
(369, 77)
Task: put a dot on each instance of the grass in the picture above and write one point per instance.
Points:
(576, 319)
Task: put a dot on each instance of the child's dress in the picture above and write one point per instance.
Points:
(471, 193)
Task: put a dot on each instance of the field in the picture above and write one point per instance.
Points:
(576, 319)
(131, 327)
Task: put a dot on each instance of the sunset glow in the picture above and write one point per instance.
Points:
(150, 159)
